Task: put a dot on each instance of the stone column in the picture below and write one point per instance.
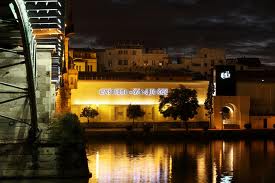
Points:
(44, 88)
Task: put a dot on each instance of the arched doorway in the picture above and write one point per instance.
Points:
(229, 114)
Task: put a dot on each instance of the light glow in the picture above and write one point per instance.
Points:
(225, 75)
(122, 102)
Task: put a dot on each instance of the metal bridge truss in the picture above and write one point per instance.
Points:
(26, 24)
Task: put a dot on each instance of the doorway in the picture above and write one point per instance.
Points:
(265, 123)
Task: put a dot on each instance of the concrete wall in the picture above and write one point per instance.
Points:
(258, 121)
(118, 113)
(261, 96)
(240, 106)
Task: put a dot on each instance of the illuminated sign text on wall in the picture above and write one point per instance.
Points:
(134, 91)
(225, 75)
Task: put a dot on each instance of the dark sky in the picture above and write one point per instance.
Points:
(242, 27)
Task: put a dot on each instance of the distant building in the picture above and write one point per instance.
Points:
(131, 57)
(83, 60)
(202, 62)
(245, 64)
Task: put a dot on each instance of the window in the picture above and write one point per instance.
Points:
(153, 62)
(125, 62)
(120, 62)
(110, 63)
(79, 68)
(205, 64)
(90, 68)
(76, 67)
(134, 52)
(205, 55)
(145, 62)
(220, 61)
(110, 53)
(125, 52)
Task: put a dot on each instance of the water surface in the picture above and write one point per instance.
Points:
(191, 162)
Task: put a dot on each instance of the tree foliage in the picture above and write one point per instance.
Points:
(134, 111)
(89, 112)
(208, 104)
(180, 103)
(66, 129)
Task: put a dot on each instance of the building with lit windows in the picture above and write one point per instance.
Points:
(83, 60)
(132, 57)
(241, 97)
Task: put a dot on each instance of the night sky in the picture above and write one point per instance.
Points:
(242, 27)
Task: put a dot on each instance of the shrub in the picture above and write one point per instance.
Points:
(247, 126)
(66, 129)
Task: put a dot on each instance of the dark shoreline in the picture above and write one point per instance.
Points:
(178, 134)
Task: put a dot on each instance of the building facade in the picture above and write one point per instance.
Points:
(111, 98)
(83, 60)
(244, 97)
(202, 62)
(132, 57)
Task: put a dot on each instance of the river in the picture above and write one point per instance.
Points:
(190, 162)
(184, 162)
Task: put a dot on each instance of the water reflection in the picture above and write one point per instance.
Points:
(202, 162)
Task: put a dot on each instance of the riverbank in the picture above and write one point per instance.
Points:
(177, 134)
(59, 151)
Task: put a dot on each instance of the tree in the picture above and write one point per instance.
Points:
(134, 111)
(180, 103)
(208, 104)
(89, 112)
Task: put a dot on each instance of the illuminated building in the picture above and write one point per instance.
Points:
(241, 97)
(248, 97)
(112, 97)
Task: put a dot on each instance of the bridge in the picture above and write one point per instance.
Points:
(31, 57)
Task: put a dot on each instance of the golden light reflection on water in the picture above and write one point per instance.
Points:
(116, 164)
(213, 162)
